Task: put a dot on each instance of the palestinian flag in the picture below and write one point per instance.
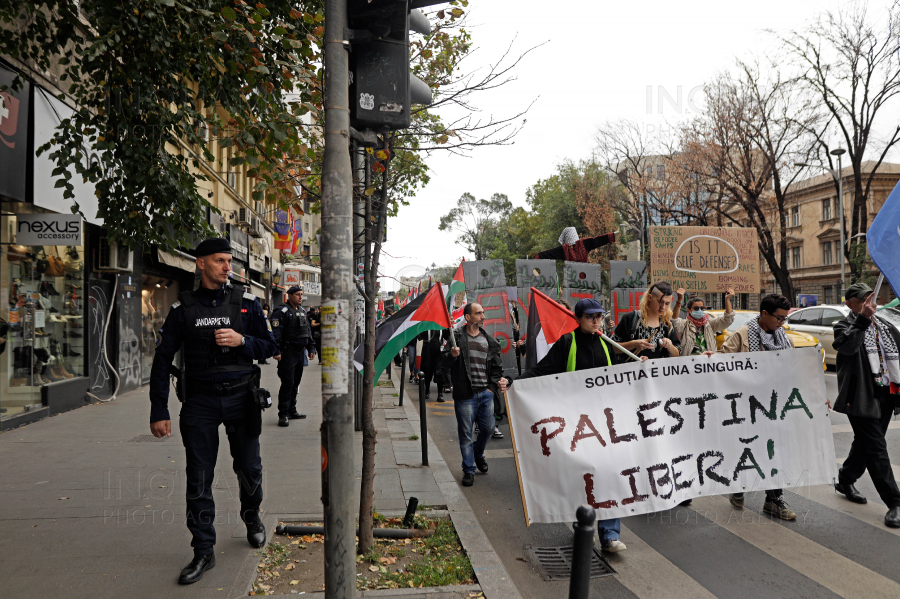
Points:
(456, 285)
(547, 322)
(427, 312)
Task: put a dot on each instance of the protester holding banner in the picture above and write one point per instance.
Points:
(582, 349)
(476, 372)
(868, 372)
(698, 330)
(764, 333)
(648, 331)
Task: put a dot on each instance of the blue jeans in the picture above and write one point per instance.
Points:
(481, 409)
(608, 530)
(411, 356)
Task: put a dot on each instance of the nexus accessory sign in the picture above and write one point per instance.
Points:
(49, 229)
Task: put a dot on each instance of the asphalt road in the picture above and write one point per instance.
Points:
(834, 549)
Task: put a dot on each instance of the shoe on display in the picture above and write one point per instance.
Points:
(72, 334)
(52, 289)
(76, 325)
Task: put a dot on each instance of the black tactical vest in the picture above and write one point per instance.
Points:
(202, 357)
(296, 327)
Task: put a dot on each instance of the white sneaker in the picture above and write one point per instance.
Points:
(498, 434)
(614, 546)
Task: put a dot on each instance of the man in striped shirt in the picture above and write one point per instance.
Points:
(475, 372)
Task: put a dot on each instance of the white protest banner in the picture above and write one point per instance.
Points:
(642, 437)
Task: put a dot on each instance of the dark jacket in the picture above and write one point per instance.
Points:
(856, 383)
(459, 366)
(588, 354)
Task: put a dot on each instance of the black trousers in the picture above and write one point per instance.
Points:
(199, 423)
(290, 371)
(869, 452)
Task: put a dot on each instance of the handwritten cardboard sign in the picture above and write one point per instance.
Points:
(706, 259)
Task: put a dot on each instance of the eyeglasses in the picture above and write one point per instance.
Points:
(780, 319)
(597, 316)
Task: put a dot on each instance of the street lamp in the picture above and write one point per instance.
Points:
(276, 277)
(838, 176)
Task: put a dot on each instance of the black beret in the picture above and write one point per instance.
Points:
(294, 289)
(216, 245)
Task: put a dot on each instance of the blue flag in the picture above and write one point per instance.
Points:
(883, 239)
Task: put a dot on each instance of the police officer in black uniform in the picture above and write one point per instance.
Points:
(292, 335)
(222, 331)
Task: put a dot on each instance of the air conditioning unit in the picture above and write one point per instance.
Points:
(260, 208)
(244, 216)
(256, 228)
(114, 257)
(230, 178)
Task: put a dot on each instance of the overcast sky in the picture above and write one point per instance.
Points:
(598, 62)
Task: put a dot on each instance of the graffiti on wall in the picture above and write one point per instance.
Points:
(98, 304)
(129, 342)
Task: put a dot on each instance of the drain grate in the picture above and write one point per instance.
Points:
(145, 439)
(555, 563)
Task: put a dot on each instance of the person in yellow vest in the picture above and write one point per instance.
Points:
(581, 349)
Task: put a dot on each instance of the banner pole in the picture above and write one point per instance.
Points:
(622, 349)
(878, 286)
(512, 436)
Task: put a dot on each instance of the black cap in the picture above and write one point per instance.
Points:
(588, 306)
(294, 289)
(858, 290)
(216, 245)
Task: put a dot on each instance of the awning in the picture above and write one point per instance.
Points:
(182, 261)
(258, 290)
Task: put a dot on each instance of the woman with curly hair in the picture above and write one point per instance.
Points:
(649, 331)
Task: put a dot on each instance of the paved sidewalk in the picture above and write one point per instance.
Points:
(92, 506)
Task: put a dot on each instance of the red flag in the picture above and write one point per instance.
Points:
(547, 322)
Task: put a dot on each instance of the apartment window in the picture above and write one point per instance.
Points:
(649, 171)
(829, 294)
(826, 210)
(795, 216)
(827, 257)
(795, 257)
(661, 171)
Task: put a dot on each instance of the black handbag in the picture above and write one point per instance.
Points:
(42, 263)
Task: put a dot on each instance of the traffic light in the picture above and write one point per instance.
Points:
(381, 85)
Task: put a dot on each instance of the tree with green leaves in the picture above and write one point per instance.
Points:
(154, 81)
(473, 220)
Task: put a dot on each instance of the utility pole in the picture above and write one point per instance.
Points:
(338, 294)
(840, 177)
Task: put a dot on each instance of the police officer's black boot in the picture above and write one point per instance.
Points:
(283, 421)
(194, 570)
(256, 532)
(296, 415)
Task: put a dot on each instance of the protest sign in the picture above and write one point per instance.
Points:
(628, 274)
(581, 280)
(706, 259)
(540, 274)
(644, 436)
(624, 301)
(486, 285)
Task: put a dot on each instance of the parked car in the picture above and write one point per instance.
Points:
(742, 317)
(819, 322)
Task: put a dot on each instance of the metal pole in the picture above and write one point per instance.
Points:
(423, 419)
(338, 293)
(402, 373)
(841, 207)
(582, 551)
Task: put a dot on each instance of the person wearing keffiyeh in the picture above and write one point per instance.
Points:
(698, 330)
(868, 373)
(764, 333)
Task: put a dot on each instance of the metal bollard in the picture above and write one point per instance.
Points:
(582, 552)
(402, 373)
(423, 418)
(411, 508)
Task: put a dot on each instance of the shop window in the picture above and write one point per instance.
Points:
(157, 296)
(43, 313)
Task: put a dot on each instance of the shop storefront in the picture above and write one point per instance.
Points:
(42, 305)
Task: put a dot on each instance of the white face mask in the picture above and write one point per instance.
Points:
(698, 314)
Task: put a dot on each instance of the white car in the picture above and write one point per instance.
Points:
(819, 321)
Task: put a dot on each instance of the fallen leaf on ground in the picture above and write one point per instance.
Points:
(373, 568)
(388, 560)
(293, 582)
(290, 566)
(61, 498)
